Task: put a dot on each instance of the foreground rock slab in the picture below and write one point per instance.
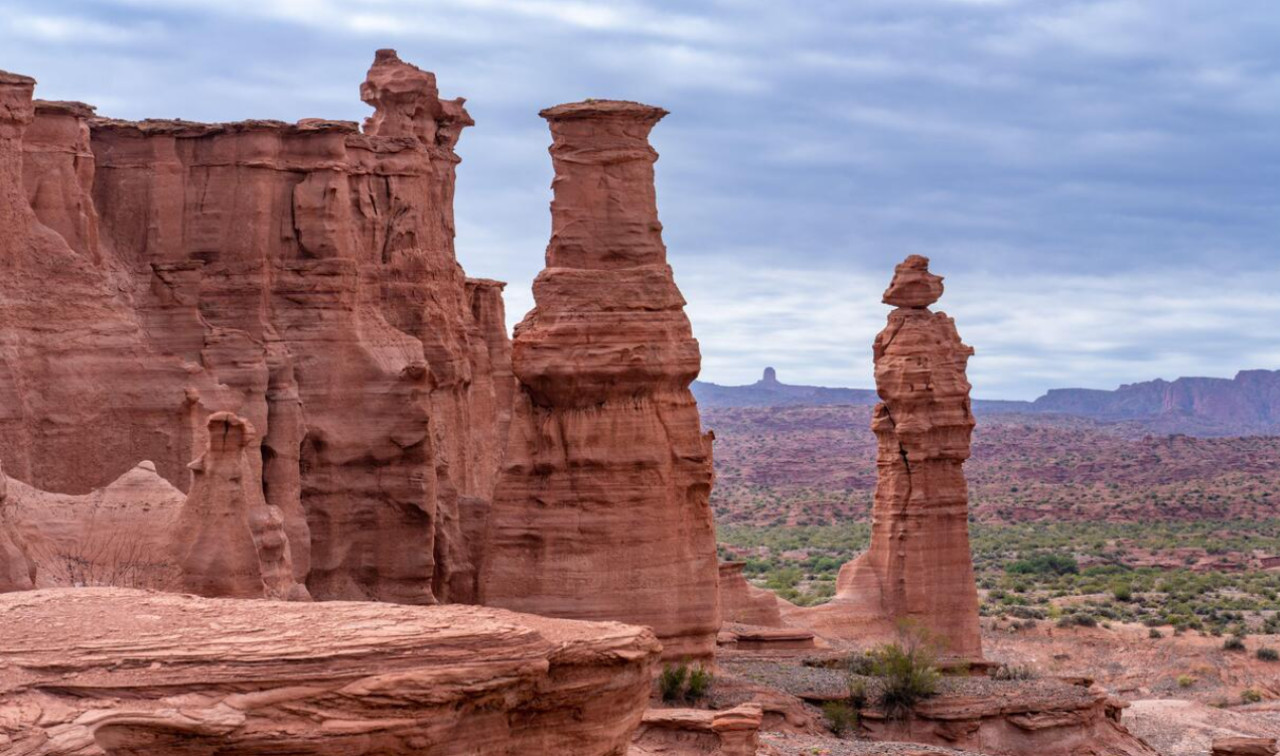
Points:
(698, 732)
(107, 671)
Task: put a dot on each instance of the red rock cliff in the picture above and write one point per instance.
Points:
(918, 567)
(602, 508)
(302, 276)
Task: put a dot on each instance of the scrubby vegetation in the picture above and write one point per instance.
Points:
(1077, 574)
(684, 683)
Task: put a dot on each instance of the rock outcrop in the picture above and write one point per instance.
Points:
(1238, 746)
(602, 508)
(228, 541)
(17, 572)
(744, 603)
(119, 535)
(918, 568)
(111, 671)
(301, 276)
(699, 732)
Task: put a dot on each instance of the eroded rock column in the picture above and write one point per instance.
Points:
(602, 508)
(918, 569)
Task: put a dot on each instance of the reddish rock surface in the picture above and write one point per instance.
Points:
(742, 602)
(301, 276)
(1237, 746)
(698, 732)
(119, 535)
(228, 540)
(602, 510)
(918, 568)
(96, 671)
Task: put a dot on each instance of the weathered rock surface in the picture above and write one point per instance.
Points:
(744, 603)
(301, 276)
(119, 535)
(17, 571)
(228, 541)
(1016, 722)
(1238, 746)
(918, 568)
(699, 732)
(110, 671)
(1190, 728)
(602, 508)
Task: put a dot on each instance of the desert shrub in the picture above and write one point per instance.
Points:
(1234, 643)
(907, 670)
(841, 718)
(699, 684)
(1013, 672)
(1250, 696)
(1044, 563)
(1268, 654)
(1186, 681)
(1122, 592)
(860, 663)
(671, 681)
(1078, 620)
(857, 692)
(1154, 633)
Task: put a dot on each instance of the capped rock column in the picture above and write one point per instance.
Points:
(918, 569)
(602, 511)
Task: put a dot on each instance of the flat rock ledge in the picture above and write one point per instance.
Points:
(116, 672)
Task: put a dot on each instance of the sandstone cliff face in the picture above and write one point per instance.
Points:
(918, 568)
(328, 679)
(744, 603)
(301, 276)
(602, 508)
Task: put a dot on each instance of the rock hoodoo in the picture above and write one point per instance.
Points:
(254, 678)
(918, 568)
(229, 541)
(301, 276)
(602, 508)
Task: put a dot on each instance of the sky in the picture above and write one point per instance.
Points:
(1098, 180)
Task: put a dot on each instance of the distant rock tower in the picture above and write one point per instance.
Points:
(770, 376)
(602, 510)
(918, 568)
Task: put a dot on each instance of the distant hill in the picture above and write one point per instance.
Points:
(1248, 404)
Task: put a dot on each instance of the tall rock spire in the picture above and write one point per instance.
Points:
(602, 509)
(918, 568)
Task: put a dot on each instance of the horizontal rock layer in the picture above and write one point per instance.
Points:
(93, 672)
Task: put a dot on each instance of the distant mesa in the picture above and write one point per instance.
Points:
(1248, 404)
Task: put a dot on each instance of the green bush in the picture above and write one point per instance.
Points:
(1122, 593)
(1044, 563)
(1268, 654)
(672, 680)
(1234, 643)
(1186, 681)
(857, 692)
(841, 718)
(1154, 633)
(700, 679)
(908, 672)
(1250, 696)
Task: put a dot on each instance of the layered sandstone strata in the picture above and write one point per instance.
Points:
(742, 602)
(918, 570)
(602, 508)
(699, 732)
(301, 276)
(112, 671)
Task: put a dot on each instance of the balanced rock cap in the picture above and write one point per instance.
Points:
(913, 285)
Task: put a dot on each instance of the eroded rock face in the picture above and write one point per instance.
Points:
(744, 603)
(698, 732)
(17, 572)
(918, 569)
(330, 679)
(301, 276)
(602, 508)
(229, 541)
(119, 535)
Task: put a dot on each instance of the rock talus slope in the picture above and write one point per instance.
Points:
(602, 508)
(918, 568)
(100, 671)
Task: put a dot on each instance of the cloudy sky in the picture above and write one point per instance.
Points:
(1099, 180)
